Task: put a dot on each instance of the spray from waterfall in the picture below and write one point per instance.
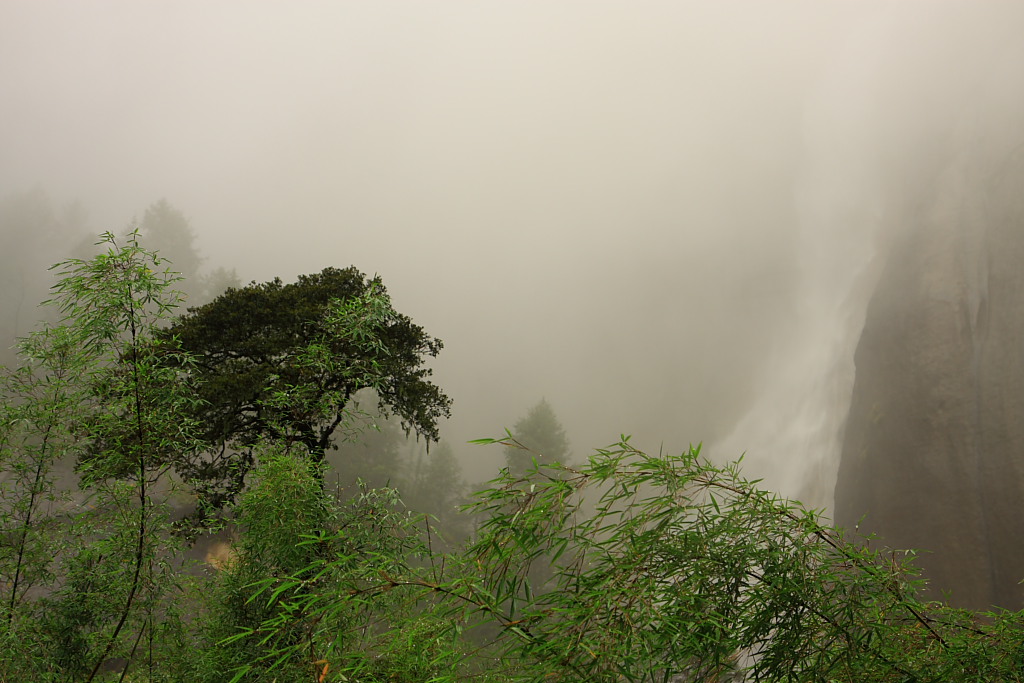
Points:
(887, 118)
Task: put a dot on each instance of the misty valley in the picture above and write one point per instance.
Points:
(254, 488)
(530, 342)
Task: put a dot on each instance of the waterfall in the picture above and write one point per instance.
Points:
(792, 435)
(905, 101)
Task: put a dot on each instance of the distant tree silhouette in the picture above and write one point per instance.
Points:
(166, 230)
(542, 435)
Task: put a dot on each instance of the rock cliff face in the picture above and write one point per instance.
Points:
(933, 448)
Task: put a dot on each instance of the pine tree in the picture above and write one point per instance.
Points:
(542, 437)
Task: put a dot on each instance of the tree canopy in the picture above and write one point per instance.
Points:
(283, 362)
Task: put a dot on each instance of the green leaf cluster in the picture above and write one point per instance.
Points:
(87, 566)
(659, 568)
(284, 361)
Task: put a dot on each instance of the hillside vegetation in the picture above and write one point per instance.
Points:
(624, 567)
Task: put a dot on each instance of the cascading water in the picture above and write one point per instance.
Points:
(903, 382)
(879, 128)
(792, 436)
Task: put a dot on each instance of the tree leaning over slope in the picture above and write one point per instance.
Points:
(283, 361)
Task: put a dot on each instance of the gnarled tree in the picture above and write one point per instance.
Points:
(283, 362)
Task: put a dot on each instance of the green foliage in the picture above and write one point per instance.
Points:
(290, 603)
(89, 575)
(37, 421)
(133, 427)
(133, 407)
(684, 569)
(283, 362)
(283, 505)
(664, 568)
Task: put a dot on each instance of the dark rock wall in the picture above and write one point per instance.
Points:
(933, 449)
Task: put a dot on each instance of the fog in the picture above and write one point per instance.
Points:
(663, 217)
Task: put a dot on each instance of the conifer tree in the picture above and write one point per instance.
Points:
(542, 438)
